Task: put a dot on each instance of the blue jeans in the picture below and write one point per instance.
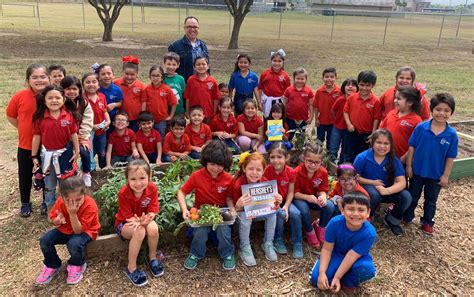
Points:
(152, 157)
(292, 125)
(231, 144)
(134, 125)
(431, 190)
(161, 128)
(99, 144)
(362, 270)
(76, 245)
(85, 159)
(245, 225)
(338, 137)
(294, 217)
(51, 180)
(225, 247)
(356, 143)
(195, 155)
(305, 208)
(402, 201)
(324, 133)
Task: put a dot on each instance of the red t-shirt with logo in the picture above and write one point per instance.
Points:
(323, 101)
(401, 129)
(122, 144)
(170, 144)
(99, 108)
(297, 107)
(158, 99)
(198, 138)
(338, 111)
(251, 125)
(319, 182)
(55, 133)
(149, 141)
(363, 112)
(217, 124)
(284, 178)
(202, 93)
(132, 97)
(274, 83)
(129, 205)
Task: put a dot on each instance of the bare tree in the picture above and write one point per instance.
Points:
(238, 9)
(108, 11)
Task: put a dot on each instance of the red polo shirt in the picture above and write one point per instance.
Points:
(363, 113)
(99, 108)
(132, 97)
(55, 133)
(339, 191)
(274, 83)
(129, 205)
(284, 178)
(388, 104)
(122, 144)
(158, 99)
(251, 125)
(170, 144)
(88, 215)
(401, 129)
(338, 110)
(311, 186)
(297, 107)
(323, 101)
(217, 124)
(198, 138)
(236, 191)
(148, 142)
(22, 106)
(208, 190)
(202, 93)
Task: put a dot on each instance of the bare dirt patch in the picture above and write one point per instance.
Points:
(122, 43)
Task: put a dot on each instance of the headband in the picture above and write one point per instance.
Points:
(421, 88)
(346, 166)
(287, 144)
(130, 59)
(95, 67)
(279, 52)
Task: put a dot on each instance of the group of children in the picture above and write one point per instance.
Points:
(81, 114)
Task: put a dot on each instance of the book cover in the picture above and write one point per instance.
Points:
(275, 127)
(263, 198)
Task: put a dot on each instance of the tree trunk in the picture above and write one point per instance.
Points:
(234, 39)
(108, 26)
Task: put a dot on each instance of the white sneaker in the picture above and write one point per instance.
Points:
(87, 179)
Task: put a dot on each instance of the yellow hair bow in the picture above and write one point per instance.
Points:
(243, 156)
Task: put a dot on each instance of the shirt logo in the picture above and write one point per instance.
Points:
(163, 94)
(101, 105)
(304, 95)
(250, 80)
(370, 105)
(230, 125)
(406, 124)
(137, 90)
(444, 141)
(112, 97)
(209, 85)
(284, 182)
(151, 139)
(126, 139)
(65, 123)
(316, 182)
(146, 202)
(221, 189)
(202, 135)
(334, 95)
(281, 78)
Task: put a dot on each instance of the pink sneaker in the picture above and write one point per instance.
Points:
(46, 275)
(75, 273)
(312, 239)
(320, 233)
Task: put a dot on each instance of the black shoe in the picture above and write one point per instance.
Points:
(396, 229)
(156, 267)
(44, 209)
(25, 210)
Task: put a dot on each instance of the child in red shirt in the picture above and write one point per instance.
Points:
(55, 129)
(362, 115)
(277, 112)
(122, 146)
(137, 207)
(76, 218)
(324, 98)
(176, 145)
(201, 89)
(199, 133)
(250, 129)
(148, 139)
(210, 185)
(158, 98)
(224, 125)
(273, 82)
(56, 74)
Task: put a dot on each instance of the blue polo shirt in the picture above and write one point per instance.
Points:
(113, 94)
(367, 167)
(243, 85)
(431, 151)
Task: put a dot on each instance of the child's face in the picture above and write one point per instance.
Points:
(214, 169)
(91, 84)
(177, 131)
(71, 92)
(120, 122)
(130, 75)
(253, 171)
(329, 79)
(201, 66)
(224, 91)
(401, 103)
(250, 110)
(38, 80)
(138, 180)
(156, 77)
(276, 115)
(312, 162)
(277, 160)
(243, 64)
(355, 215)
(441, 113)
(56, 76)
(277, 63)
(196, 117)
(54, 100)
(404, 79)
(365, 88)
(300, 80)
(106, 75)
(146, 126)
(348, 182)
(225, 109)
(350, 89)
(76, 197)
(381, 146)
(171, 66)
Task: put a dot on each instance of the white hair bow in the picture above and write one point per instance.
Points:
(279, 52)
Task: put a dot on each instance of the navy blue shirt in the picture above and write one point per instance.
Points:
(243, 85)
(367, 167)
(113, 94)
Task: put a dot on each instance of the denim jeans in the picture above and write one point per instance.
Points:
(245, 225)
(76, 245)
(292, 125)
(51, 180)
(294, 217)
(401, 200)
(232, 145)
(239, 100)
(362, 270)
(324, 133)
(161, 128)
(431, 191)
(85, 159)
(338, 139)
(152, 157)
(356, 143)
(305, 208)
(100, 146)
(195, 155)
(225, 247)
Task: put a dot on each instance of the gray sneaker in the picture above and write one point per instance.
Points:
(269, 250)
(246, 255)
(297, 251)
(87, 178)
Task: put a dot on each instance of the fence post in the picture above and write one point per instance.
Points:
(83, 15)
(187, 11)
(230, 20)
(142, 11)
(385, 32)
(179, 17)
(441, 29)
(38, 12)
(459, 23)
(131, 5)
(332, 27)
(279, 27)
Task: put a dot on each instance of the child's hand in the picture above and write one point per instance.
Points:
(225, 135)
(309, 120)
(134, 222)
(74, 157)
(245, 199)
(107, 167)
(316, 124)
(323, 283)
(36, 164)
(322, 201)
(185, 214)
(72, 206)
(383, 190)
(198, 149)
(59, 219)
(350, 128)
(313, 199)
(378, 182)
(278, 199)
(168, 118)
(335, 285)
(158, 162)
(135, 154)
(220, 134)
(285, 209)
(260, 138)
(267, 132)
(443, 181)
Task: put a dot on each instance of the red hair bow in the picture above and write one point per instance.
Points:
(130, 59)
(421, 88)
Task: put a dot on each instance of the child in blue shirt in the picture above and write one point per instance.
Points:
(243, 83)
(345, 260)
(382, 176)
(430, 157)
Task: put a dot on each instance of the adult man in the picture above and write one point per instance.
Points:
(189, 47)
